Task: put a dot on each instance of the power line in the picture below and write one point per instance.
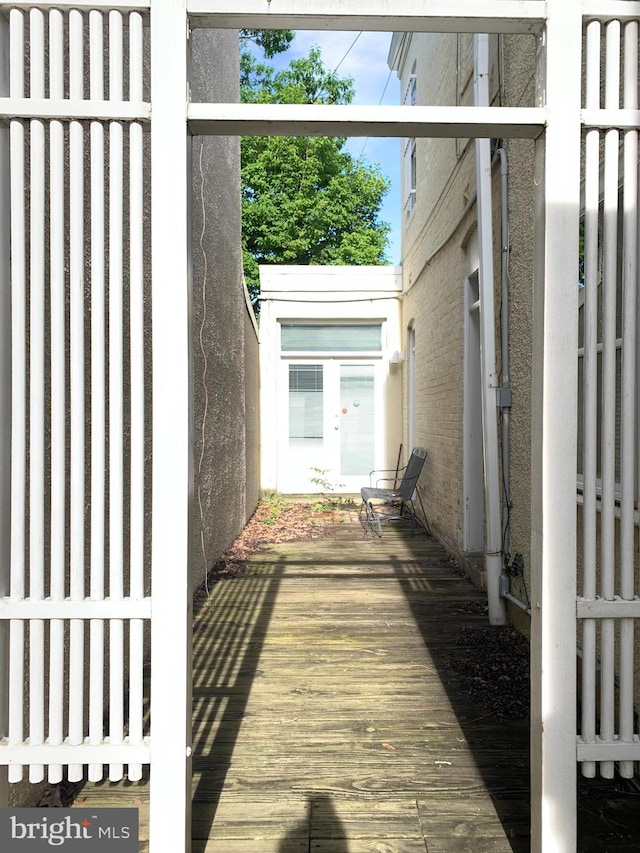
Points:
(347, 53)
(379, 102)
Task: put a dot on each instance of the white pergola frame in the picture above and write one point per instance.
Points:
(556, 125)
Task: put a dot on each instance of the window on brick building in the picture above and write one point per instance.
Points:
(409, 149)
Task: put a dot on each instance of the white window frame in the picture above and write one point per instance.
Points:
(409, 148)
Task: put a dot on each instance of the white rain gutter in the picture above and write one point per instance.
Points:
(489, 391)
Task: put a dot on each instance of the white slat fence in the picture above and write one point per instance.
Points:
(80, 377)
(609, 604)
(78, 545)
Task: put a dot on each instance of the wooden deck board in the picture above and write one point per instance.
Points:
(325, 719)
(333, 718)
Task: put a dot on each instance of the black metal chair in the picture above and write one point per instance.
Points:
(396, 502)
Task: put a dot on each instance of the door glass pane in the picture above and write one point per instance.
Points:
(356, 419)
(331, 337)
(305, 405)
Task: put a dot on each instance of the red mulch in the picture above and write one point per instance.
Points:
(274, 521)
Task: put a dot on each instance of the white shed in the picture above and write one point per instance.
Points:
(331, 375)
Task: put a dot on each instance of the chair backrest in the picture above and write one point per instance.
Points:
(412, 472)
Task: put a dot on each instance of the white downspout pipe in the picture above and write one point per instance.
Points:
(505, 402)
(489, 391)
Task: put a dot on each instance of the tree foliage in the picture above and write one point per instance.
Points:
(305, 200)
(271, 41)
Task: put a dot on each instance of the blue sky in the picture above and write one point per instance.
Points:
(366, 63)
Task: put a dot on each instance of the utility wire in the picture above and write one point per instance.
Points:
(346, 54)
(379, 102)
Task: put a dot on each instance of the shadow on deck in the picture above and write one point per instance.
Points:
(328, 717)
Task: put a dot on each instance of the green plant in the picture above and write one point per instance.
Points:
(274, 504)
(321, 479)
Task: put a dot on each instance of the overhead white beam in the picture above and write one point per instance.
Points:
(508, 15)
(341, 120)
(437, 16)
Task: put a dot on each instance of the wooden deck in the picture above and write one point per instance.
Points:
(325, 719)
(321, 718)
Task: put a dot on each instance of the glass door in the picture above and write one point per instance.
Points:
(327, 425)
(357, 421)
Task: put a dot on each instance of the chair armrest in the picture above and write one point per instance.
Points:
(393, 480)
(395, 471)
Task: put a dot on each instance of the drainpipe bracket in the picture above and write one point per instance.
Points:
(505, 398)
(505, 586)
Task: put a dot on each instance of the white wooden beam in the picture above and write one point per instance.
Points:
(104, 608)
(554, 418)
(607, 119)
(611, 10)
(608, 751)
(601, 608)
(438, 16)
(172, 480)
(76, 753)
(341, 120)
(51, 108)
(82, 5)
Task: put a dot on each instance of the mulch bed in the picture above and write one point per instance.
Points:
(493, 669)
(274, 521)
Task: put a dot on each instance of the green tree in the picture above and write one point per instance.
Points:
(305, 200)
(271, 41)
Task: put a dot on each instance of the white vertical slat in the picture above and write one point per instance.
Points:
(77, 356)
(172, 484)
(554, 444)
(116, 432)
(36, 388)
(608, 391)
(628, 392)
(18, 389)
(58, 363)
(96, 641)
(136, 360)
(590, 391)
(5, 398)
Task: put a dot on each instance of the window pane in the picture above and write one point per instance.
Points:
(331, 337)
(305, 404)
(357, 432)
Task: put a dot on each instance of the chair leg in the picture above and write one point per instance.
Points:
(363, 517)
(373, 518)
(370, 521)
(426, 524)
(376, 516)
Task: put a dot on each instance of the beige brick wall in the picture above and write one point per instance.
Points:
(435, 236)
